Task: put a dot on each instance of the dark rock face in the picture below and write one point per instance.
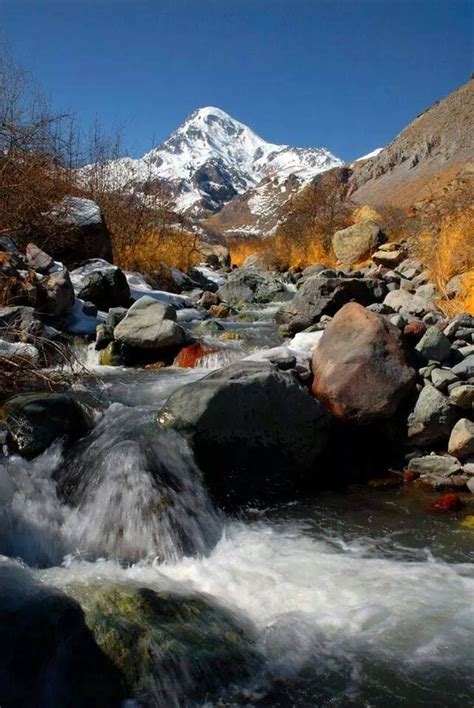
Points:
(106, 289)
(251, 285)
(35, 421)
(360, 369)
(320, 296)
(266, 448)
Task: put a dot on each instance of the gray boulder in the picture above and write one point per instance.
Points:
(465, 368)
(106, 289)
(150, 324)
(320, 296)
(409, 303)
(266, 447)
(357, 242)
(432, 419)
(37, 259)
(251, 285)
(436, 465)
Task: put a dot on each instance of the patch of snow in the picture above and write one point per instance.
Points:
(374, 153)
(78, 275)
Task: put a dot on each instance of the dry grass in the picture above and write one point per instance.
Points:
(176, 249)
(450, 253)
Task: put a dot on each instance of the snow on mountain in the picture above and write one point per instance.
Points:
(374, 153)
(211, 158)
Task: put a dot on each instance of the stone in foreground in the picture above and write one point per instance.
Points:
(361, 373)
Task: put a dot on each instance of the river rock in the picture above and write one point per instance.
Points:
(106, 289)
(433, 346)
(463, 396)
(431, 421)
(55, 294)
(465, 368)
(357, 242)
(35, 420)
(49, 656)
(320, 296)
(269, 444)
(150, 324)
(435, 465)
(170, 649)
(209, 299)
(251, 285)
(360, 369)
(408, 303)
(461, 440)
(442, 378)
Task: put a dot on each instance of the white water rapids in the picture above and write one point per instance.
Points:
(355, 600)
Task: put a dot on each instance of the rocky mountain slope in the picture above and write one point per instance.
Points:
(211, 158)
(432, 151)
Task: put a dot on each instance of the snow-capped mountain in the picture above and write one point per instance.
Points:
(212, 158)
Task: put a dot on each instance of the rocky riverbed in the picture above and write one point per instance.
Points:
(246, 488)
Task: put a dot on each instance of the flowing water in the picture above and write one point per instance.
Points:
(355, 599)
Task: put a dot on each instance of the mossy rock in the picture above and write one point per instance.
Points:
(169, 648)
(35, 420)
(230, 336)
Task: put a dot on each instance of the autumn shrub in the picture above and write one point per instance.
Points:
(146, 254)
(447, 253)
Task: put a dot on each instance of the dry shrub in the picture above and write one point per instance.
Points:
(450, 253)
(177, 249)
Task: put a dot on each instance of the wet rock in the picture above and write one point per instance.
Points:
(431, 421)
(191, 355)
(50, 657)
(320, 296)
(35, 421)
(112, 355)
(106, 289)
(434, 346)
(251, 285)
(221, 311)
(209, 328)
(150, 324)
(463, 396)
(357, 242)
(461, 440)
(170, 649)
(55, 294)
(360, 369)
(270, 443)
(104, 335)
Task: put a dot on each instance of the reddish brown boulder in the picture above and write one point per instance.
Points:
(360, 369)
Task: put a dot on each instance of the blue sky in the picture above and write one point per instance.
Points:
(345, 74)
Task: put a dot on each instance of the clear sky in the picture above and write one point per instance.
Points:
(344, 74)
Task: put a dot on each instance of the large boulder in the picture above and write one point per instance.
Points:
(320, 296)
(55, 294)
(461, 440)
(170, 649)
(150, 324)
(49, 656)
(357, 242)
(251, 285)
(106, 289)
(266, 447)
(35, 420)
(85, 232)
(432, 418)
(360, 369)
